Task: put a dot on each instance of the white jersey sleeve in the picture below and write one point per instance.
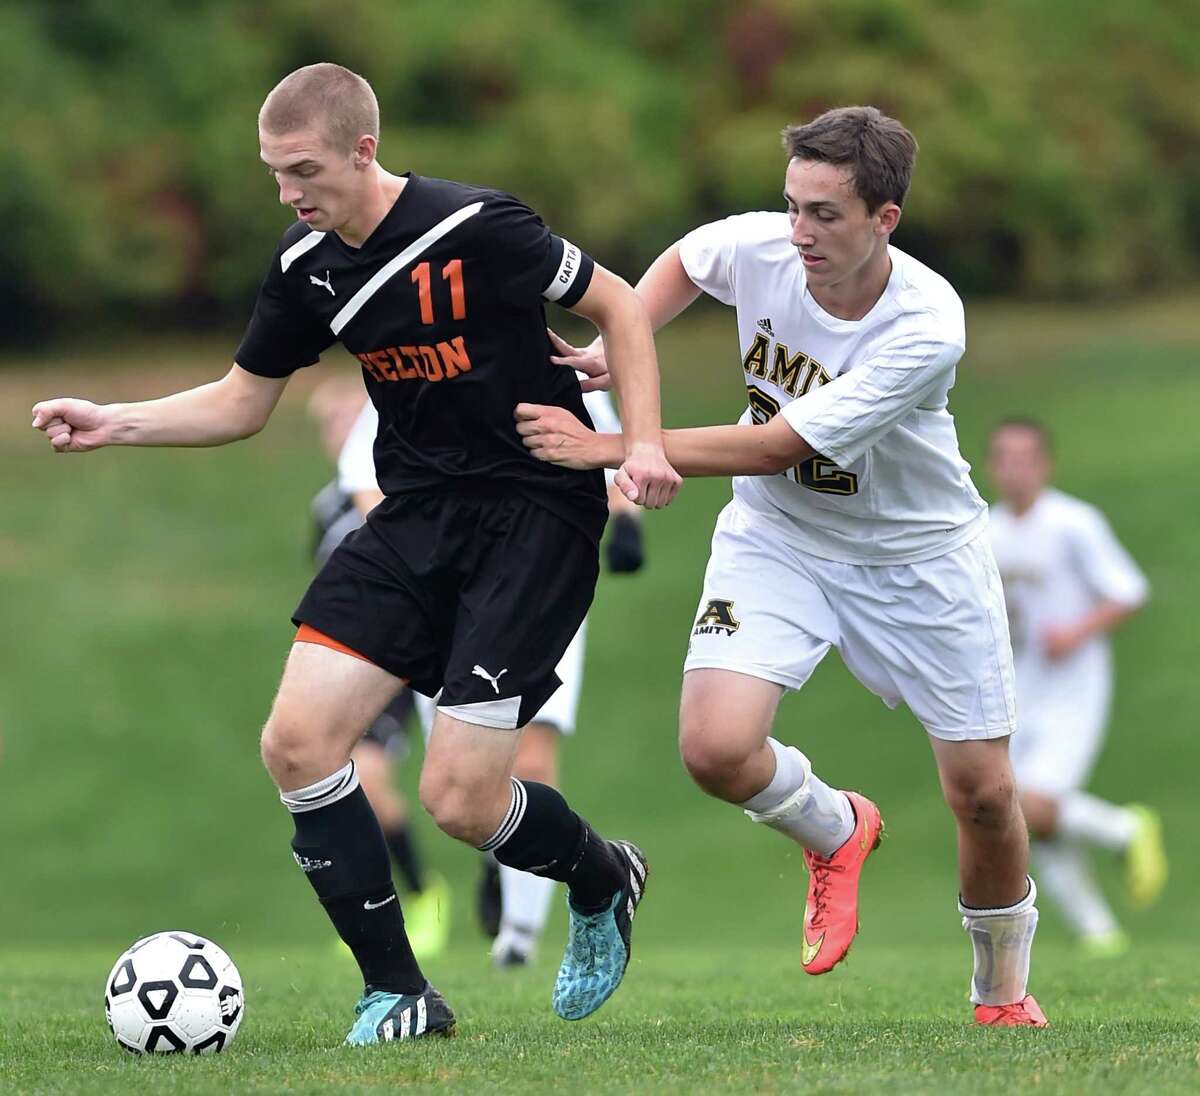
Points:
(708, 253)
(604, 417)
(356, 461)
(1106, 567)
(843, 419)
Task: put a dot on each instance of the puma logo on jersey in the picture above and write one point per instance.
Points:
(717, 617)
(765, 325)
(479, 671)
(326, 284)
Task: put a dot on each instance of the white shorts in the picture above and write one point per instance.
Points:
(932, 634)
(1060, 738)
(560, 710)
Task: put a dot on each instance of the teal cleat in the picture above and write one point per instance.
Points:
(598, 945)
(383, 1017)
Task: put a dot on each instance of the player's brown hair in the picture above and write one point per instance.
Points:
(326, 96)
(1033, 426)
(878, 150)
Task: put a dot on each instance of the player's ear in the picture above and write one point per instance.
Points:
(364, 150)
(886, 218)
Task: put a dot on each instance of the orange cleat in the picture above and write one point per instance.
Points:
(831, 913)
(1026, 1013)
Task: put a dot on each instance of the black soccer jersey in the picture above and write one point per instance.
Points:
(443, 306)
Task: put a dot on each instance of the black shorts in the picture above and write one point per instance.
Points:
(475, 593)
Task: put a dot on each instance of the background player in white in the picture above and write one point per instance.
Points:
(854, 523)
(518, 914)
(1068, 583)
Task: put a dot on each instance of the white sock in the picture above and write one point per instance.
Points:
(800, 805)
(1084, 817)
(1002, 940)
(1066, 877)
(524, 903)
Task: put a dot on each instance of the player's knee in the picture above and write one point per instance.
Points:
(456, 807)
(711, 760)
(289, 750)
(987, 801)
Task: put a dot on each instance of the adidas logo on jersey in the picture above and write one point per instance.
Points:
(765, 325)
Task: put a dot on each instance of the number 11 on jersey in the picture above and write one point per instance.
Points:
(452, 273)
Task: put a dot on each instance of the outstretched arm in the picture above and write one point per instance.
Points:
(235, 407)
(645, 475)
(554, 434)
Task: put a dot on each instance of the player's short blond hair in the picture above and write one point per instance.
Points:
(330, 98)
(877, 149)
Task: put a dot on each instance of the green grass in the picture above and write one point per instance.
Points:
(146, 597)
(734, 1020)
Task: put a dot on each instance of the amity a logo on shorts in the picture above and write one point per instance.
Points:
(716, 619)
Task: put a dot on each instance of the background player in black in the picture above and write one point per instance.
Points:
(476, 570)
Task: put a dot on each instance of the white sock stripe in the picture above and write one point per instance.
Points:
(512, 818)
(1026, 903)
(324, 792)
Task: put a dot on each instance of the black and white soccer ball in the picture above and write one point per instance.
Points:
(172, 992)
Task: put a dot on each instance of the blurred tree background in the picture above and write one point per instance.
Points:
(1060, 141)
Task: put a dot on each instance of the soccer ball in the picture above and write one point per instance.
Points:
(171, 992)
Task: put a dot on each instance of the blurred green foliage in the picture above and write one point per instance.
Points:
(1060, 142)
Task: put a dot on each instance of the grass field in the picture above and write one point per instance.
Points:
(146, 597)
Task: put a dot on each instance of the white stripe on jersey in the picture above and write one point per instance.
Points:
(393, 266)
(564, 276)
(299, 248)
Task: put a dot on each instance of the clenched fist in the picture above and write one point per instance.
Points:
(73, 426)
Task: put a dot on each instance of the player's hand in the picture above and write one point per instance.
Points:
(588, 359)
(623, 549)
(1060, 642)
(647, 477)
(73, 426)
(554, 435)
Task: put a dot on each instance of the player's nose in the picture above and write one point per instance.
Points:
(801, 234)
(289, 195)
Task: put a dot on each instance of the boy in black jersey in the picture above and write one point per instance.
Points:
(471, 577)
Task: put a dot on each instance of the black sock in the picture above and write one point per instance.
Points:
(340, 847)
(542, 835)
(404, 852)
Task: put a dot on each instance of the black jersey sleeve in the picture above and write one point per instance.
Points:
(281, 336)
(529, 263)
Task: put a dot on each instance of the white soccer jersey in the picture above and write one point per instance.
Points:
(1057, 561)
(870, 395)
(356, 461)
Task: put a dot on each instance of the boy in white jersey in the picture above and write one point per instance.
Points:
(1068, 583)
(854, 524)
(524, 898)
